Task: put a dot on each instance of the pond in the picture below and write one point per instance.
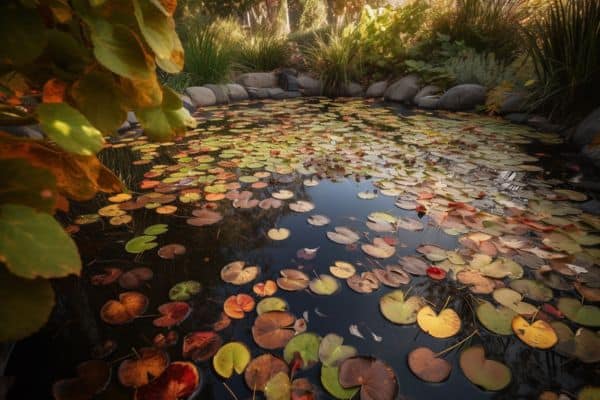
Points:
(394, 231)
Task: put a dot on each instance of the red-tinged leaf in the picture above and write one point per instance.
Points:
(109, 276)
(436, 273)
(54, 91)
(550, 309)
(178, 381)
(200, 346)
(296, 364)
(173, 313)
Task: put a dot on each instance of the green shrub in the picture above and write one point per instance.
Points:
(564, 44)
(336, 59)
(484, 25)
(262, 52)
(487, 70)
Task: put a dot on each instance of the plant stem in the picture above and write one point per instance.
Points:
(456, 344)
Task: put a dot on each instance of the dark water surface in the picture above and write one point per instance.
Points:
(76, 327)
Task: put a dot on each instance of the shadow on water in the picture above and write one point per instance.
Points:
(75, 327)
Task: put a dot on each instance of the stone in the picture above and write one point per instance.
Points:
(287, 95)
(376, 89)
(513, 102)
(588, 130)
(542, 124)
(276, 91)
(352, 89)
(403, 90)
(309, 86)
(288, 82)
(236, 92)
(131, 118)
(592, 153)
(220, 92)
(124, 126)
(428, 102)
(258, 93)
(26, 131)
(429, 90)
(201, 96)
(463, 97)
(517, 118)
(260, 80)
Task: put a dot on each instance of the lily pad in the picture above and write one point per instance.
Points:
(273, 330)
(496, 319)
(342, 269)
(129, 306)
(238, 273)
(201, 346)
(586, 315)
(262, 369)
(332, 351)
(375, 378)
(399, 310)
(305, 347)
(184, 290)
(539, 334)
(324, 285)
(443, 325)
(140, 244)
(237, 306)
(488, 374)
(271, 304)
(531, 289)
(330, 379)
(427, 366)
(232, 357)
(343, 235)
(292, 280)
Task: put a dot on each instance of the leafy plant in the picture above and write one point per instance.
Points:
(314, 15)
(336, 59)
(487, 70)
(564, 43)
(262, 52)
(92, 62)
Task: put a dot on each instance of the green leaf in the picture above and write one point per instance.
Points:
(399, 310)
(119, 49)
(162, 123)
(496, 319)
(25, 305)
(185, 290)
(332, 352)
(330, 379)
(69, 57)
(140, 244)
(306, 345)
(24, 184)
(69, 129)
(156, 229)
(587, 315)
(100, 99)
(159, 32)
(271, 304)
(33, 244)
(278, 387)
(234, 356)
(23, 34)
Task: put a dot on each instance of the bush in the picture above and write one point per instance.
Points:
(484, 25)
(262, 52)
(336, 59)
(564, 44)
(487, 70)
(314, 15)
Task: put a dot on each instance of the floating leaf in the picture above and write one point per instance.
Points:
(271, 304)
(172, 313)
(539, 334)
(496, 319)
(293, 280)
(324, 285)
(531, 289)
(233, 356)
(330, 381)
(201, 346)
(273, 330)
(204, 217)
(402, 311)
(139, 371)
(278, 233)
(443, 325)
(170, 251)
(392, 276)
(267, 288)
(178, 380)
(379, 249)
(237, 305)
(140, 244)
(302, 206)
(332, 351)
(375, 378)
(488, 374)
(92, 378)
(262, 369)
(366, 282)
(433, 253)
(318, 220)
(342, 269)
(238, 273)
(512, 299)
(343, 235)
(135, 277)
(414, 265)
(427, 366)
(586, 315)
(129, 306)
(306, 346)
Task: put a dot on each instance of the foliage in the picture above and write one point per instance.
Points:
(484, 25)
(486, 69)
(336, 59)
(314, 15)
(262, 52)
(92, 62)
(386, 34)
(564, 43)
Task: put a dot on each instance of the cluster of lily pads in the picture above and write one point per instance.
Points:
(526, 259)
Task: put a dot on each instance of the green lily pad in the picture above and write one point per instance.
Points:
(332, 352)
(271, 304)
(502, 268)
(25, 305)
(584, 345)
(233, 356)
(305, 346)
(531, 289)
(184, 290)
(496, 319)
(586, 315)
(395, 308)
(330, 378)
(488, 374)
(157, 229)
(33, 244)
(140, 244)
(324, 285)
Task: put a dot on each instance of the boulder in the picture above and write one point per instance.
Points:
(404, 90)
(309, 86)
(236, 92)
(258, 93)
(275, 91)
(287, 95)
(463, 97)
(288, 82)
(352, 89)
(124, 126)
(542, 123)
(376, 89)
(131, 118)
(220, 92)
(429, 90)
(588, 129)
(513, 102)
(428, 102)
(517, 118)
(260, 80)
(201, 96)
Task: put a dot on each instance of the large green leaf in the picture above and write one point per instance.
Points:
(304, 345)
(100, 99)
(22, 32)
(33, 244)
(67, 56)
(159, 32)
(24, 184)
(162, 123)
(119, 49)
(330, 378)
(25, 305)
(69, 129)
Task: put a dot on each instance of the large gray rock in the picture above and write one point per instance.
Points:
(309, 86)
(377, 89)
(288, 81)
(236, 92)
(404, 90)
(201, 96)
(429, 90)
(220, 92)
(131, 118)
(513, 102)
(463, 97)
(258, 93)
(542, 123)
(588, 129)
(428, 102)
(352, 89)
(260, 80)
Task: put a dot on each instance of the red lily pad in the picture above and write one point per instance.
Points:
(376, 379)
(173, 313)
(109, 276)
(149, 364)
(200, 346)
(170, 251)
(162, 341)
(204, 217)
(180, 380)
(436, 273)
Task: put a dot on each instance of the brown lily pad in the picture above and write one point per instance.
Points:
(376, 379)
(427, 366)
(149, 364)
(273, 329)
(201, 346)
(262, 369)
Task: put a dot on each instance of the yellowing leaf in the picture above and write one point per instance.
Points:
(443, 325)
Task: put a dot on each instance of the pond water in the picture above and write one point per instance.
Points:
(485, 194)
